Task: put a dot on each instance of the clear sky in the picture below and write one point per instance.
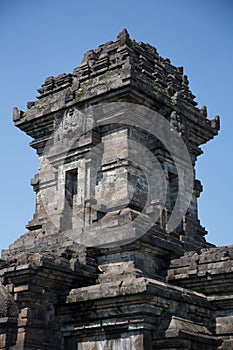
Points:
(48, 37)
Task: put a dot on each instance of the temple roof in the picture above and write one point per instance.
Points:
(116, 66)
(140, 59)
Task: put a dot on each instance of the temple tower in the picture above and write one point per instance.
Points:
(116, 202)
(85, 126)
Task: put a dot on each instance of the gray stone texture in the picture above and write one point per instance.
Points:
(85, 275)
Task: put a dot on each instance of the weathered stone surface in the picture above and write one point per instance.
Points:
(98, 267)
(8, 319)
(8, 307)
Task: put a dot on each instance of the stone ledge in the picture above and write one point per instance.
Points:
(134, 286)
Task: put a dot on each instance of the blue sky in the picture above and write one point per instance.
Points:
(48, 37)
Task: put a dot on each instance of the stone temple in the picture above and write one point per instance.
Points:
(115, 256)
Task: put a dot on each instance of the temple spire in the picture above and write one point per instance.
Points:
(123, 36)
